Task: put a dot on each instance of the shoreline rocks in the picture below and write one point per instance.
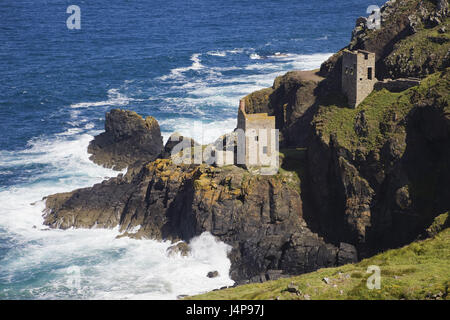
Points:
(343, 199)
(213, 274)
(181, 248)
(260, 217)
(128, 138)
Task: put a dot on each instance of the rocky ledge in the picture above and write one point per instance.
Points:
(260, 217)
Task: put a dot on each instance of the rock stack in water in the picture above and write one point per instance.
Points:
(128, 138)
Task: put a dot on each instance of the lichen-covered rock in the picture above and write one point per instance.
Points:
(378, 182)
(128, 138)
(440, 223)
(181, 248)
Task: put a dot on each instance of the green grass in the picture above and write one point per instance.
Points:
(417, 271)
(292, 163)
(340, 121)
(401, 8)
(440, 222)
(416, 49)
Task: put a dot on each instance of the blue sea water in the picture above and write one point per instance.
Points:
(185, 62)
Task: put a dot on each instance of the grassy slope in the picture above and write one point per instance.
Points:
(417, 271)
(380, 108)
(425, 44)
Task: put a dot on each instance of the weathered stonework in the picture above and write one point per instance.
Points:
(358, 75)
(397, 85)
(260, 136)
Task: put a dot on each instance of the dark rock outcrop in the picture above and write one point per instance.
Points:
(292, 100)
(404, 45)
(181, 248)
(259, 216)
(175, 143)
(128, 138)
(383, 187)
(213, 274)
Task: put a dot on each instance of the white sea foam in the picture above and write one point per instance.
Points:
(89, 126)
(255, 56)
(178, 72)
(201, 131)
(236, 50)
(122, 268)
(38, 263)
(262, 66)
(325, 37)
(217, 53)
(115, 98)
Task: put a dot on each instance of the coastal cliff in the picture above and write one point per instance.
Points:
(375, 175)
(259, 216)
(413, 41)
(418, 271)
(353, 182)
(385, 166)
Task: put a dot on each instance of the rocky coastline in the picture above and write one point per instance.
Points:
(353, 182)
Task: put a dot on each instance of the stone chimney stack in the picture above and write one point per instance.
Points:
(358, 75)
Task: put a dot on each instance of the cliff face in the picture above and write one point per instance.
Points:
(259, 216)
(376, 175)
(128, 138)
(380, 172)
(413, 41)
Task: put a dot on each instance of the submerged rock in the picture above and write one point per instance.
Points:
(213, 274)
(181, 248)
(404, 43)
(128, 138)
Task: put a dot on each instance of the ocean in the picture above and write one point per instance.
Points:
(186, 63)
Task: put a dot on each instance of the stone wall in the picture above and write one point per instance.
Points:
(358, 75)
(349, 66)
(260, 139)
(397, 85)
(259, 143)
